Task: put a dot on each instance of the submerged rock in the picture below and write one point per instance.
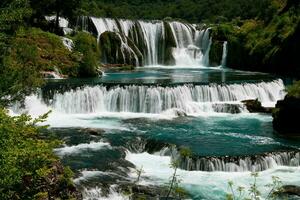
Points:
(290, 190)
(151, 192)
(93, 131)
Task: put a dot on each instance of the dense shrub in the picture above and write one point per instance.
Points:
(87, 46)
(28, 167)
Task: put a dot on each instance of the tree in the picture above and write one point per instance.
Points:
(66, 8)
(18, 77)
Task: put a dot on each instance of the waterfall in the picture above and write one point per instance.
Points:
(239, 163)
(191, 45)
(224, 55)
(189, 99)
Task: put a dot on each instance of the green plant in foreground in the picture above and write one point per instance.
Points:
(139, 173)
(28, 167)
(254, 192)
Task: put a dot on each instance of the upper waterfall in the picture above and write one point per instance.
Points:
(158, 42)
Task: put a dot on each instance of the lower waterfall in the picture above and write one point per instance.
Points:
(240, 164)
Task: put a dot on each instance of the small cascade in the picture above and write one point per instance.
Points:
(224, 55)
(63, 23)
(254, 163)
(187, 99)
(68, 43)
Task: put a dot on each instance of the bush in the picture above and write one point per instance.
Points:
(87, 46)
(294, 90)
(28, 166)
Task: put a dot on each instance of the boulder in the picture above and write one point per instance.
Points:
(254, 106)
(285, 120)
(291, 189)
(215, 53)
(93, 131)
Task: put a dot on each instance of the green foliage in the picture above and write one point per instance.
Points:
(254, 191)
(23, 155)
(28, 166)
(19, 75)
(13, 14)
(263, 44)
(190, 10)
(294, 90)
(87, 46)
(185, 152)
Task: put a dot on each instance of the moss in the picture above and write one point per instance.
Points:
(167, 43)
(113, 51)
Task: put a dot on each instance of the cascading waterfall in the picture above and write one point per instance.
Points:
(189, 99)
(239, 164)
(191, 45)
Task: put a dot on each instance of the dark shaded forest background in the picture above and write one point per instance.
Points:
(189, 10)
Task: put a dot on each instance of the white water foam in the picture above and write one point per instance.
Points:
(88, 174)
(156, 100)
(96, 194)
(76, 149)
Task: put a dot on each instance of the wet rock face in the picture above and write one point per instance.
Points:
(215, 53)
(285, 120)
(254, 106)
(119, 49)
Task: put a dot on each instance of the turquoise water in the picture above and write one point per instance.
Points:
(210, 136)
(172, 75)
(111, 156)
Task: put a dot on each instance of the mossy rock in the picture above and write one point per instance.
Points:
(283, 123)
(86, 45)
(216, 53)
(48, 51)
(166, 45)
(119, 49)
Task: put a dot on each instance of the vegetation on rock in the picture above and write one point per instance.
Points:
(264, 44)
(87, 46)
(283, 123)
